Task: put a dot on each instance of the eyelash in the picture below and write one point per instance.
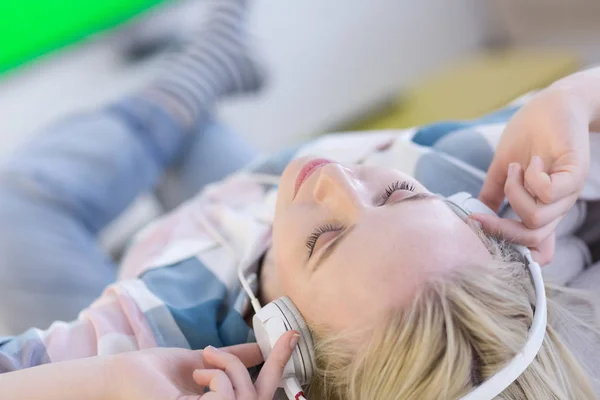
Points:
(312, 239)
(405, 185)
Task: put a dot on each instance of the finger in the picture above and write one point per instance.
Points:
(248, 353)
(544, 253)
(564, 183)
(540, 215)
(191, 397)
(529, 189)
(213, 396)
(533, 214)
(236, 371)
(517, 195)
(537, 181)
(515, 231)
(552, 187)
(270, 374)
(216, 380)
(492, 192)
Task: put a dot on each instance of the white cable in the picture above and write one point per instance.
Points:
(216, 235)
(292, 388)
(253, 300)
(291, 385)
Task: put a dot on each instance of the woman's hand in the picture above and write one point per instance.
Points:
(540, 165)
(179, 374)
(155, 374)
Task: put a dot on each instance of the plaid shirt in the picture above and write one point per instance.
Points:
(178, 285)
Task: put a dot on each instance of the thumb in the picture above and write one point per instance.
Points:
(492, 192)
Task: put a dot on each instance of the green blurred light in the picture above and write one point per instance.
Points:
(30, 28)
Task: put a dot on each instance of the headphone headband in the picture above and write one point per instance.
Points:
(464, 204)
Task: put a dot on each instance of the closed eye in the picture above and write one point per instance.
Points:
(397, 185)
(312, 240)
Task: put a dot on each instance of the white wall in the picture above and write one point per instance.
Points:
(327, 59)
(331, 58)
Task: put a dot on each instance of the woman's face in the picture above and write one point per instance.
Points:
(350, 242)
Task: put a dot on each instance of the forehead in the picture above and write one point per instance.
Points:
(392, 250)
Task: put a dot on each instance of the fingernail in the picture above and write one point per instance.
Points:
(294, 340)
(211, 348)
(512, 168)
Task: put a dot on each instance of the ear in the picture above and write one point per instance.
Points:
(270, 285)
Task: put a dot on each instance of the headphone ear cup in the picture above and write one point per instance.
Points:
(305, 343)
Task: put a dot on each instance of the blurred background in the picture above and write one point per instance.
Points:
(333, 64)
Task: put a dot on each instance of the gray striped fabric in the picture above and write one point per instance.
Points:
(217, 62)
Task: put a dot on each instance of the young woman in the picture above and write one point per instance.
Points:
(404, 300)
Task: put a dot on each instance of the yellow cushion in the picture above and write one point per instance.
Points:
(473, 87)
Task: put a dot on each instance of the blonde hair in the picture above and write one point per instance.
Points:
(459, 330)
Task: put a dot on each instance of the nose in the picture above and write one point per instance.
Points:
(336, 189)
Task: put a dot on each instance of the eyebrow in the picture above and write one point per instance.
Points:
(328, 251)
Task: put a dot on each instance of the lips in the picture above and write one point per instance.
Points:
(309, 168)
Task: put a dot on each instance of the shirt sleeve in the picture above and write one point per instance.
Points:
(112, 324)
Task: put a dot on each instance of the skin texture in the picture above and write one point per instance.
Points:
(384, 251)
(156, 374)
(542, 162)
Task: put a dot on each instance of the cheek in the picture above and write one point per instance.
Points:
(287, 182)
(285, 249)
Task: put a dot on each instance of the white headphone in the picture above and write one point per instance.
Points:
(464, 204)
(270, 323)
(279, 316)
